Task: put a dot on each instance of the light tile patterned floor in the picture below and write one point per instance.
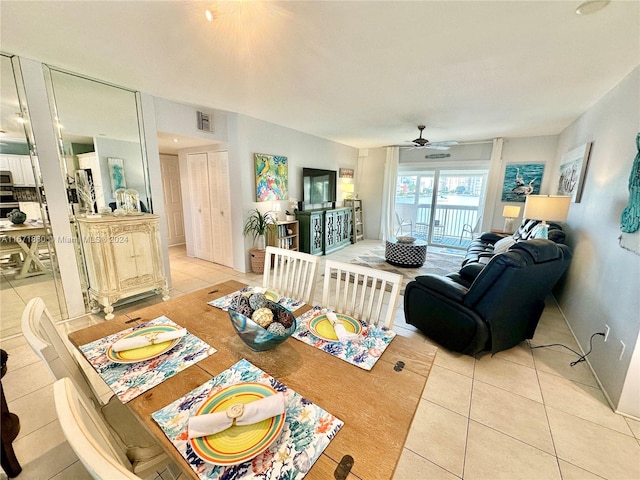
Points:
(520, 414)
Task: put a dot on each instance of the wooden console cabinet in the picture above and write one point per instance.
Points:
(122, 257)
(324, 231)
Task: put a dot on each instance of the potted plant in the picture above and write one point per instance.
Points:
(257, 225)
(291, 211)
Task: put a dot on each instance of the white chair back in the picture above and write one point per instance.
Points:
(45, 340)
(293, 273)
(364, 293)
(88, 435)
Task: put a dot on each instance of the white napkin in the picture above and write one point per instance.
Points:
(254, 412)
(146, 340)
(341, 332)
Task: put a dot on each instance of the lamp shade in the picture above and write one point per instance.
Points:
(511, 211)
(552, 208)
(348, 188)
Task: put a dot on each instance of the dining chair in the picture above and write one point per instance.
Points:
(290, 273)
(142, 451)
(365, 293)
(88, 435)
(403, 222)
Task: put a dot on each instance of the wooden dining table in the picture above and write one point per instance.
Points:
(28, 237)
(376, 406)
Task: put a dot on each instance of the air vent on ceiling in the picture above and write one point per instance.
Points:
(205, 122)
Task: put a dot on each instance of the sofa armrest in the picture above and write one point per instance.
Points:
(445, 286)
(471, 270)
(490, 237)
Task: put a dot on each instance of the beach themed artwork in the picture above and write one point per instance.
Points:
(116, 173)
(520, 180)
(272, 177)
(572, 172)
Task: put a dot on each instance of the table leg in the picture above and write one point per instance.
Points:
(10, 430)
(31, 258)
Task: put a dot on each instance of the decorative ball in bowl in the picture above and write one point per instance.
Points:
(261, 323)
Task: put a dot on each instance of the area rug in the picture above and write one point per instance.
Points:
(436, 263)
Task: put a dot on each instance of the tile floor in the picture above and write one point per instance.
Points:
(521, 414)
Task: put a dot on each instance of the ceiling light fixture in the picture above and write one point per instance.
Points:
(591, 6)
(175, 140)
(208, 15)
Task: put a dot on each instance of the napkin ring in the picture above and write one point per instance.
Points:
(152, 337)
(235, 411)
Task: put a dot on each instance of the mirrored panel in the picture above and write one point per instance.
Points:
(99, 133)
(28, 264)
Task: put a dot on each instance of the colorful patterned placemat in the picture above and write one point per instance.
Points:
(128, 380)
(224, 302)
(363, 353)
(307, 431)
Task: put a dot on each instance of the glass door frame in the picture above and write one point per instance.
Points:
(429, 227)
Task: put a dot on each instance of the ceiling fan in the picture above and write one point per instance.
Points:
(424, 143)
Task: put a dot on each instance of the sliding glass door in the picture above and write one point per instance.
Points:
(435, 205)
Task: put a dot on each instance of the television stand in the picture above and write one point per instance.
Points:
(325, 230)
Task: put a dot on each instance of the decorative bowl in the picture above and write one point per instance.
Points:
(257, 337)
(17, 217)
(406, 239)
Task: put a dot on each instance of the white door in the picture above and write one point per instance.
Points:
(198, 172)
(220, 208)
(170, 169)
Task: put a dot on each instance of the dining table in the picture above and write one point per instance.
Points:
(377, 406)
(28, 237)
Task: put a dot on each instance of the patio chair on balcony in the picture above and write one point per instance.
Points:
(471, 230)
(403, 222)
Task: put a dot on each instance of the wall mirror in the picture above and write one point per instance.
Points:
(28, 262)
(99, 134)
(101, 147)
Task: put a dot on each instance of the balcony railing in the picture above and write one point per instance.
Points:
(447, 223)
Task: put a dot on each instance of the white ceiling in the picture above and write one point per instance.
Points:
(360, 73)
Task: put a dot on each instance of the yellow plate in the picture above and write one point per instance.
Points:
(322, 328)
(237, 444)
(144, 353)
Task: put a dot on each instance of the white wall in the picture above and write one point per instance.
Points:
(603, 283)
(369, 185)
(243, 136)
(520, 150)
(249, 135)
(181, 119)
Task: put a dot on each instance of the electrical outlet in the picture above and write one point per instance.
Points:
(622, 350)
(606, 332)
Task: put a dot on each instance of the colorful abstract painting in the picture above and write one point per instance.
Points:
(520, 180)
(272, 177)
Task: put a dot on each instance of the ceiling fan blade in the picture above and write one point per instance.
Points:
(435, 146)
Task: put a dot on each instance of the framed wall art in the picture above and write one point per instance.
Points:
(520, 180)
(573, 169)
(116, 174)
(272, 177)
(346, 173)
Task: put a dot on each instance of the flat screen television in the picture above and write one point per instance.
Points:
(318, 186)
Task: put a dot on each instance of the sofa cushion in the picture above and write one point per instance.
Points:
(503, 245)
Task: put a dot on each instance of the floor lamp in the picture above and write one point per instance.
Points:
(552, 208)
